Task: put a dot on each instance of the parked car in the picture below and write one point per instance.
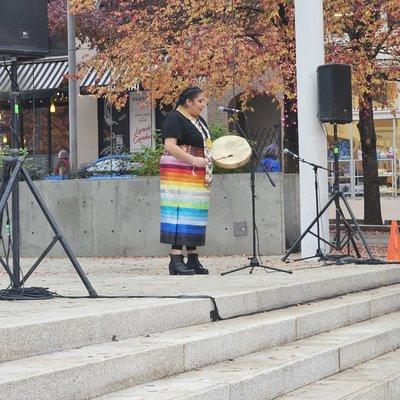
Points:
(119, 164)
(114, 166)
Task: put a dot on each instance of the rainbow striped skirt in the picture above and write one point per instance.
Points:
(184, 203)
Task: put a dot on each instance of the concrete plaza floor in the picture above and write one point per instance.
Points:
(59, 274)
(118, 273)
(390, 208)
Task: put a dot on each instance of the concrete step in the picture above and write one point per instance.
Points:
(377, 379)
(93, 370)
(270, 373)
(35, 328)
(83, 323)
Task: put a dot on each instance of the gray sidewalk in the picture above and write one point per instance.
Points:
(58, 273)
(390, 208)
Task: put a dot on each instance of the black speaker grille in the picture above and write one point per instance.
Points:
(24, 28)
(334, 93)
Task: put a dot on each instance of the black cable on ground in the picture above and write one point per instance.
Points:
(32, 293)
(40, 293)
(360, 261)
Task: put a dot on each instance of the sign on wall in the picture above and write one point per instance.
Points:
(142, 122)
(113, 128)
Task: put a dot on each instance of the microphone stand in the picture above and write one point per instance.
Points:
(254, 262)
(316, 167)
(335, 198)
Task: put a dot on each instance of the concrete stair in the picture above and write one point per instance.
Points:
(169, 350)
(85, 324)
(278, 370)
(375, 379)
(28, 330)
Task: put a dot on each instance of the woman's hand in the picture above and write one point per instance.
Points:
(199, 162)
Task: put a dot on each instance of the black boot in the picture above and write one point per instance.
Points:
(193, 263)
(178, 267)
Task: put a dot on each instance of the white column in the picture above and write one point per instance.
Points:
(312, 141)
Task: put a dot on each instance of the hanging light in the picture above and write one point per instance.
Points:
(4, 139)
(52, 108)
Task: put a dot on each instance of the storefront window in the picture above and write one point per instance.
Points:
(350, 157)
(385, 148)
(35, 135)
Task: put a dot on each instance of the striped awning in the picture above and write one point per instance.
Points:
(35, 76)
(94, 79)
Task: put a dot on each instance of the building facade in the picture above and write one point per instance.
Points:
(387, 128)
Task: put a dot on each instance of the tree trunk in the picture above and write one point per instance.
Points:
(290, 134)
(372, 202)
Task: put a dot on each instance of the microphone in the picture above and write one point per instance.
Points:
(229, 110)
(287, 151)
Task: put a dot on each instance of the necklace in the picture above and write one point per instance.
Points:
(207, 143)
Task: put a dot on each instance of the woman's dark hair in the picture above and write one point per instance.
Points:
(189, 93)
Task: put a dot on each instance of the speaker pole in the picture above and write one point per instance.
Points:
(336, 184)
(72, 92)
(15, 134)
(15, 105)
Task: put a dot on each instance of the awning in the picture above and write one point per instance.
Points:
(43, 75)
(95, 79)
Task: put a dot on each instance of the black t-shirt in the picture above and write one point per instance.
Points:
(179, 127)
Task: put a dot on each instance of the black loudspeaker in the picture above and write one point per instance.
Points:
(334, 93)
(24, 28)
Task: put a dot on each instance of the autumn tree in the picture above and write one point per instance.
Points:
(95, 25)
(366, 35)
(285, 63)
(169, 44)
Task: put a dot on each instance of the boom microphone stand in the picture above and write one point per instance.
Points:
(316, 167)
(254, 261)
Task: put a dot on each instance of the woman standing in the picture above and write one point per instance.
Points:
(185, 177)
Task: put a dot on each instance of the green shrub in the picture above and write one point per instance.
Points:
(35, 170)
(218, 130)
(148, 160)
(82, 172)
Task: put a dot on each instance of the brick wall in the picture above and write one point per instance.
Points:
(216, 116)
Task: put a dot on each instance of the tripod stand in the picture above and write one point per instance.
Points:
(318, 252)
(12, 171)
(337, 195)
(10, 182)
(254, 261)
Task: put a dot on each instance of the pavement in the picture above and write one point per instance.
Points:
(117, 272)
(390, 208)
